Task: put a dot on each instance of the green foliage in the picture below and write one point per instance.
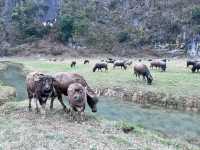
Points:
(72, 26)
(65, 28)
(80, 26)
(25, 23)
(196, 15)
(123, 37)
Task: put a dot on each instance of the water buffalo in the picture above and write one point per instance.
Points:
(158, 64)
(73, 64)
(110, 60)
(128, 62)
(195, 67)
(53, 59)
(39, 87)
(77, 96)
(86, 61)
(141, 69)
(100, 66)
(62, 83)
(120, 64)
(191, 62)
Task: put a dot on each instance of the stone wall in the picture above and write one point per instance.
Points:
(167, 101)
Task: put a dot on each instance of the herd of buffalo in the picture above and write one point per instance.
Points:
(42, 86)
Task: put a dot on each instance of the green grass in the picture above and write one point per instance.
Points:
(21, 129)
(177, 80)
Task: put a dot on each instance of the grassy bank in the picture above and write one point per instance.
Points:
(21, 129)
(177, 80)
(6, 92)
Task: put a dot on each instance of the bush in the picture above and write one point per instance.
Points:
(65, 28)
(196, 15)
(123, 37)
(71, 27)
(24, 19)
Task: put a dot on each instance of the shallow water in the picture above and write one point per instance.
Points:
(171, 123)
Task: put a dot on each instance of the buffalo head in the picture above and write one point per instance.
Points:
(77, 95)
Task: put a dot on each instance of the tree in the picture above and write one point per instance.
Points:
(25, 21)
(196, 15)
(65, 28)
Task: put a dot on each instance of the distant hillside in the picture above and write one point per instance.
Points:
(119, 27)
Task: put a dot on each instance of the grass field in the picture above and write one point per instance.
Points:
(177, 80)
(21, 129)
(24, 130)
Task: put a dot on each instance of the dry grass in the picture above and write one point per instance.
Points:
(22, 130)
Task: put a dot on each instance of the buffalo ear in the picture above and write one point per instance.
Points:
(54, 79)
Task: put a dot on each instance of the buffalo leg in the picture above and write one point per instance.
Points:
(82, 116)
(136, 75)
(36, 104)
(144, 77)
(43, 112)
(51, 104)
(30, 107)
(30, 99)
(62, 103)
(43, 105)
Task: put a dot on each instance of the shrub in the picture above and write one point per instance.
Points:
(25, 22)
(123, 36)
(65, 28)
(196, 15)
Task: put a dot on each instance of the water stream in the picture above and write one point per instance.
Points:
(171, 123)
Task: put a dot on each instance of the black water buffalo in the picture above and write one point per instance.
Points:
(62, 84)
(195, 67)
(165, 60)
(100, 66)
(121, 64)
(39, 87)
(73, 64)
(110, 60)
(191, 62)
(53, 59)
(158, 64)
(141, 69)
(128, 62)
(86, 61)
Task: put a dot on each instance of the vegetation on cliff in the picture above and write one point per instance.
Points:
(109, 26)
